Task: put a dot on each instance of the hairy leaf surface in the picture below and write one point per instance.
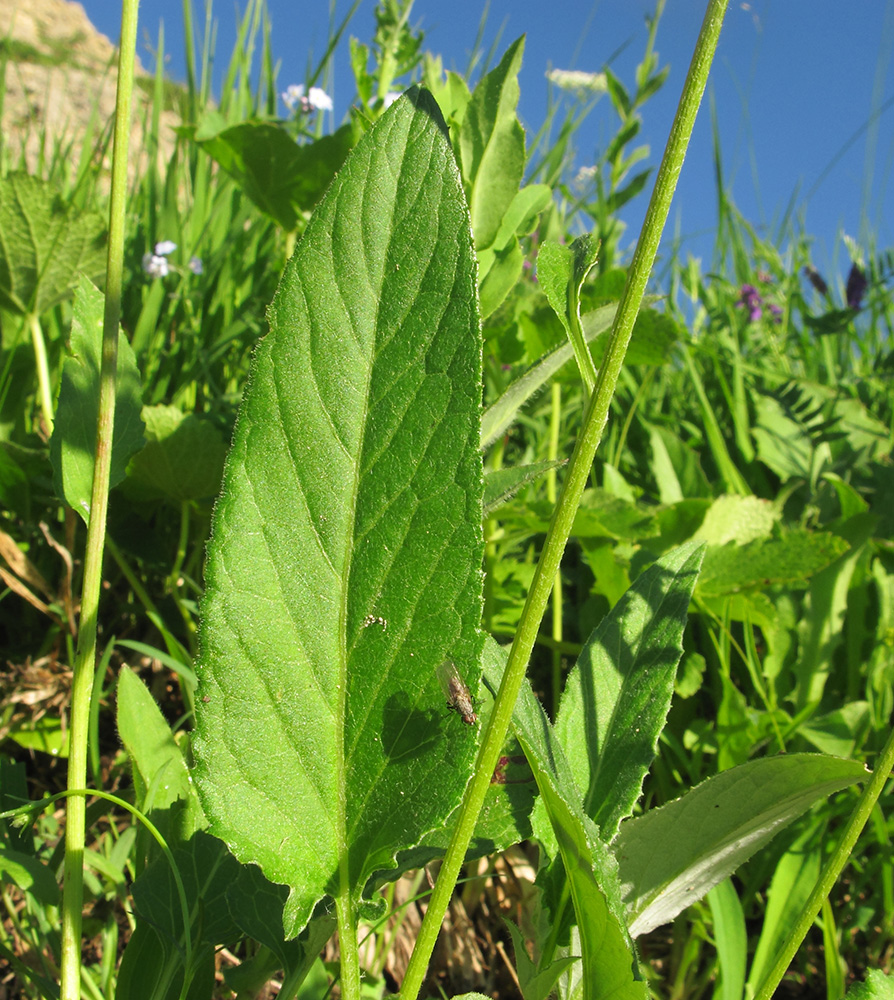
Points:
(346, 551)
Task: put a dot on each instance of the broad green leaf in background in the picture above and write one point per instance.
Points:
(790, 560)
(793, 880)
(492, 146)
(877, 986)
(600, 515)
(282, 178)
(734, 518)
(821, 628)
(608, 963)
(183, 458)
(160, 772)
(500, 265)
(153, 965)
(44, 245)
(535, 984)
(344, 564)
(242, 896)
(256, 906)
(73, 444)
(498, 273)
(671, 856)
(840, 732)
(29, 874)
(617, 697)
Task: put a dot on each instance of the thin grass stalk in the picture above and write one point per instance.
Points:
(43, 371)
(82, 686)
(572, 491)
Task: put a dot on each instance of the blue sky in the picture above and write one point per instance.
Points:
(802, 92)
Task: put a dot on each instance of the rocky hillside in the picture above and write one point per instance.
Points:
(60, 78)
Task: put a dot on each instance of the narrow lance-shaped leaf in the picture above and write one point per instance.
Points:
(492, 146)
(671, 856)
(617, 697)
(344, 565)
(608, 963)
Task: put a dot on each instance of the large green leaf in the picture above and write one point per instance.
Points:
(345, 558)
(160, 774)
(73, 444)
(617, 697)
(790, 560)
(877, 986)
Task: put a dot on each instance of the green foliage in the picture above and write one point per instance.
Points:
(363, 551)
(723, 611)
(283, 179)
(182, 461)
(73, 444)
(746, 806)
(44, 245)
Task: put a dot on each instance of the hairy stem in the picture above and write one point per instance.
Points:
(572, 489)
(73, 889)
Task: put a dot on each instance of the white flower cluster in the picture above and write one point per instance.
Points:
(316, 99)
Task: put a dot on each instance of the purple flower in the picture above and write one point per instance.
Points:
(816, 279)
(195, 265)
(750, 299)
(856, 287)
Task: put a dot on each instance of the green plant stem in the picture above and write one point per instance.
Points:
(576, 335)
(73, 887)
(349, 956)
(832, 870)
(572, 489)
(732, 478)
(557, 633)
(43, 371)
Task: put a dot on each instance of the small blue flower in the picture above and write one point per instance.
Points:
(195, 265)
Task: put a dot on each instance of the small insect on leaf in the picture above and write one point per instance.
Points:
(457, 692)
